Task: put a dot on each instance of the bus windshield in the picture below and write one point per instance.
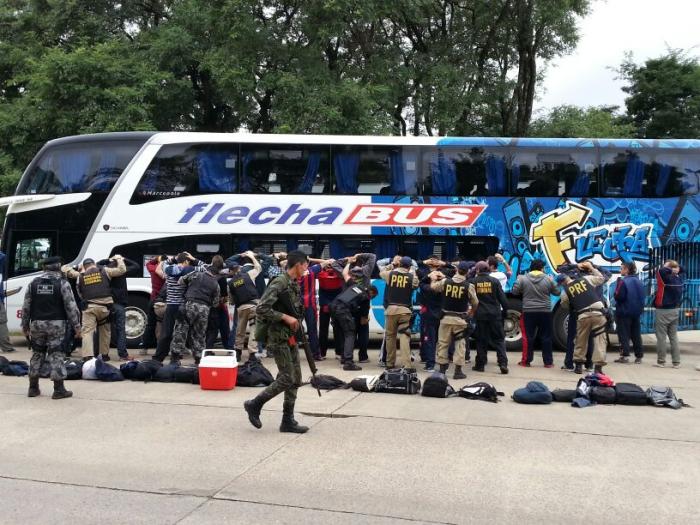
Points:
(79, 167)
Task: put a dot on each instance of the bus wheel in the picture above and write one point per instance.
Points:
(560, 328)
(136, 320)
(511, 325)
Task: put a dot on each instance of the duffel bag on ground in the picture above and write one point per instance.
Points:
(364, 383)
(74, 369)
(187, 374)
(534, 393)
(437, 386)
(106, 372)
(563, 395)
(399, 381)
(481, 391)
(253, 373)
(145, 370)
(15, 368)
(604, 395)
(630, 394)
(326, 382)
(166, 374)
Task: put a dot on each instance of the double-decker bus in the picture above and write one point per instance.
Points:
(560, 200)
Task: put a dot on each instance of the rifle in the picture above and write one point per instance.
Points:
(309, 355)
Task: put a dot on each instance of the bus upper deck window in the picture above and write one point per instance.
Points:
(548, 173)
(464, 171)
(376, 170)
(624, 173)
(290, 169)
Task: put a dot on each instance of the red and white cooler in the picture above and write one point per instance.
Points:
(218, 370)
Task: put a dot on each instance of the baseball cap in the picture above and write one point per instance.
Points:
(406, 261)
(482, 267)
(464, 266)
(51, 260)
(88, 261)
(560, 278)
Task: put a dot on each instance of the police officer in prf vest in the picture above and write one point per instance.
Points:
(581, 298)
(490, 315)
(398, 297)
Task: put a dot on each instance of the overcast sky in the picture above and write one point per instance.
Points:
(644, 27)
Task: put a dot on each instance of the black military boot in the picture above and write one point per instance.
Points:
(598, 369)
(254, 406)
(578, 368)
(478, 368)
(59, 391)
(504, 369)
(458, 373)
(443, 368)
(33, 387)
(289, 424)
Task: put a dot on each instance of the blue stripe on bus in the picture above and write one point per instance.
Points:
(568, 142)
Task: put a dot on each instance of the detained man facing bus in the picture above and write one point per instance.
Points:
(492, 310)
(669, 292)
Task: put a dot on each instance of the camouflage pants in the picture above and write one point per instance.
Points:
(193, 321)
(47, 344)
(288, 378)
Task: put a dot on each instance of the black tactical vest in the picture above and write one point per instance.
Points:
(47, 301)
(352, 296)
(486, 291)
(455, 296)
(399, 289)
(202, 288)
(242, 289)
(581, 295)
(94, 284)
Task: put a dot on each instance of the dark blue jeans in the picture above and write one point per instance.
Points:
(428, 338)
(539, 323)
(570, 339)
(362, 339)
(312, 330)
(166, 332)
(629, 329)
(218, 325)
(119, 328)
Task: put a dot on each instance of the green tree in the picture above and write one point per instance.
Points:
(575, 122)
(664, 95)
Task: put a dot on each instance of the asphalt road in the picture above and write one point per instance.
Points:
(171, 453)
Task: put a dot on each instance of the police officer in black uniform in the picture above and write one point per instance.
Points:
(490, 314)
(244, 294)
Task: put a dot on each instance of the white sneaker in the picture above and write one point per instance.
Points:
(676, 366)
(659, 365)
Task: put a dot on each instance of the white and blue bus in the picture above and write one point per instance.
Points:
(560, 200)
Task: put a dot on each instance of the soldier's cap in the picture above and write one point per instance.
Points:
(406, 261)
(560, 278)
(51, 260)
(232, 265)
(481, 267)
(88, 261)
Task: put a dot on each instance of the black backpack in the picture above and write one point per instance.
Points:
(437, 386)
(16, 368)
(364, 383)
(187, 374)
(166, 374)
(399, 381)
(481, 391)
(325, 382)
(146, 370)
(604, 395)
(563, 395)
(3, 363)
(74, 369)
(253, 373)
(630, 394)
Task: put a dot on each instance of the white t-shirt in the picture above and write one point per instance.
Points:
(502, 278)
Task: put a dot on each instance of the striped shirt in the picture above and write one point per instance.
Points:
(307, 285)
(175, 293)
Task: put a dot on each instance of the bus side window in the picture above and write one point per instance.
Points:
(672, 174)
(463, 171)
(553, 173)
(290, 169)
(623, 173)
(375, 170)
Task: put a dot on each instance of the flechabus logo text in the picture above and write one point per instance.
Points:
(415, 215)
(437, 215)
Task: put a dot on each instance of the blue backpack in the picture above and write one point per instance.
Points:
(15, 368)
(534, 393)
(106, 372)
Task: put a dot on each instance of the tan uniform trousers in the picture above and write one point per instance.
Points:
(585, 325)
(450, 328)
(246, 316)
(93, 315)
(398, 326)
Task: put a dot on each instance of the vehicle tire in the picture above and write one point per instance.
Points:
(511, 325)
(560, 328)
(136, 319)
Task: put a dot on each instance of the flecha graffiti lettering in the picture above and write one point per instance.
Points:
(615, 242)
(553, 232)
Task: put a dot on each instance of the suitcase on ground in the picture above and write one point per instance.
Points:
(563, 395)
(603, 395)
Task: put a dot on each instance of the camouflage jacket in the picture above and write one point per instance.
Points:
(281, 296)
(69, 304)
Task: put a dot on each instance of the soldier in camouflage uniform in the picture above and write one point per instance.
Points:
(280, 309)
(48, 305)
(202, 294)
